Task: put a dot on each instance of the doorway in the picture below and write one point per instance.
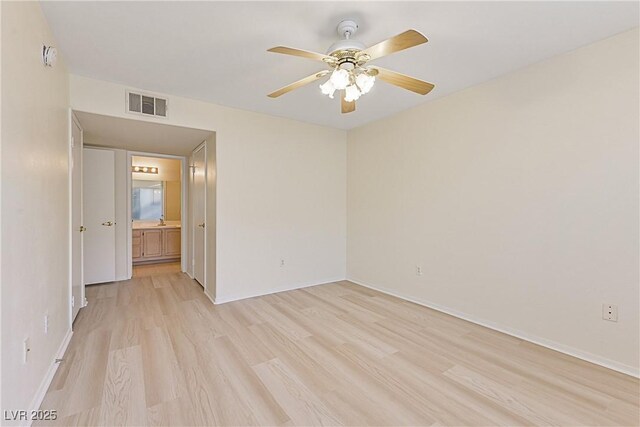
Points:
(156, 200)
(103, 150)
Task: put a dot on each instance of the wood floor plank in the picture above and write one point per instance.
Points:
(84, 385)
(154, 350)
(308, 369)
(450, 403)
(536, 412)
(243, 380)
(176, 412)
(303, 407)
(162, 380)
(360, 381)
(123, 400)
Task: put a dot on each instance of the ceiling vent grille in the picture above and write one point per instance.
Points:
(145, 104)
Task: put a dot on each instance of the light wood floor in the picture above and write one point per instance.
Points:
(153, 350)
(157, 269)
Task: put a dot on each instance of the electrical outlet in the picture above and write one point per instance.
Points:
(610, 312)
(282, 262)
(418, 270)
(46, 323)
(26, 348)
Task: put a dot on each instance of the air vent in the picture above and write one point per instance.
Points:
(145, 104)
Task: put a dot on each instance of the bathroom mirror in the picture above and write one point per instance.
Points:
(147, 200)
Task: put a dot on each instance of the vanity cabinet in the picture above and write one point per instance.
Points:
(172, 240)
(136, 243)
(152, 243)
(155, 244)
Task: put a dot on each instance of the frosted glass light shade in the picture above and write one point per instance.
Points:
(365, 82)
(340, 79)
(351, 93)
(328, 88)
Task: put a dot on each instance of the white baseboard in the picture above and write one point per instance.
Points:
(209, 296)
(223, 300)
(553, 345)
(53, 367)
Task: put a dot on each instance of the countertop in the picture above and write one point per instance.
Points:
(139, 225)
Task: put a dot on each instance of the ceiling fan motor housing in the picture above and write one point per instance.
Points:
(345, 50)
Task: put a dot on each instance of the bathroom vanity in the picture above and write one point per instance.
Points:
(155, 243)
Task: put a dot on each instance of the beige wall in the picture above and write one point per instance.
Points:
(280, 188)
(168, 169)
(172, 200)
(35, 204)
(517, 197)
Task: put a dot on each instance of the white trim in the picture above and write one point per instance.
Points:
(223, 300)
(192, 222)
(184, 214)
(206, 193)
(70, 226)
(129, 238)
(46, 381)
(209, 296)
(553, 345)
(74, 120)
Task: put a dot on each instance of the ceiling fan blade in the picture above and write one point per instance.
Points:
(303, 53)
(409, 38)
(347, 107)
(403, 81)
(299, 83)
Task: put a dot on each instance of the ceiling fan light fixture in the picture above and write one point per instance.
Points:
(328, 88)
(340, 78)
(348, 59)
(352, 93)
(365, 82)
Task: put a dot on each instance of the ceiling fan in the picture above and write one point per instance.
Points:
(350, 73)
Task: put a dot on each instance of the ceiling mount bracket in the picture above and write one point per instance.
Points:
(347, 28)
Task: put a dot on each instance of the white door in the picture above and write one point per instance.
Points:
(99, 215)
(198, 205)
(77, 283)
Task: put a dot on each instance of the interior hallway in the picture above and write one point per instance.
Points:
(153, 350)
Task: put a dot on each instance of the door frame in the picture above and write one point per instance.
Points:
(201, 146)
(83, 300)
(184, 197)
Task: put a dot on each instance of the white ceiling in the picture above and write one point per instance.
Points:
(216, 51)
(137, 135)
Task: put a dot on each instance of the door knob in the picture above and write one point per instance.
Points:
(108, 223)
(201, 225)
(83, 228)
